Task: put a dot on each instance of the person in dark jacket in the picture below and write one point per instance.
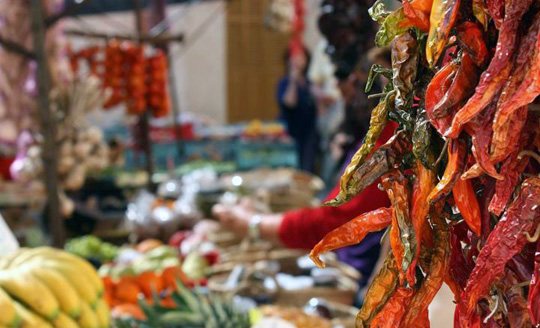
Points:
(298, 109)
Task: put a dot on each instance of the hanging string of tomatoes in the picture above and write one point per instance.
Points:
(135, 75)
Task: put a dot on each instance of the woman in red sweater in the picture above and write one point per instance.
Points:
(305, 227)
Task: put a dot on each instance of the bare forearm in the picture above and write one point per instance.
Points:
(269, 227)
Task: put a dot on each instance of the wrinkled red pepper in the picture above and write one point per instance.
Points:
(512, 168)
(493, 78)
(496, 11)
(417, 13)
(457, 153)
(435, 91)
(458, 269)
(534, 289)
(441, 20)
(505, 138)
(467, 203)
(462, 87)
(480, 132)
(393, 311)
(352, 232)
(515, 97)
(471, 38)
(516, 303)
(506, 240)
(397, 188)
(435, 267)
(379, 292)
(423, 185)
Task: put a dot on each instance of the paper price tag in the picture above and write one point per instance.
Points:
(8, 243)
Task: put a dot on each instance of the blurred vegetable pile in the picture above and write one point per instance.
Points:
(91, 247)
(461, 172)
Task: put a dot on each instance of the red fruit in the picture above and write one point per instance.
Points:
(212, 257)
(179, 237)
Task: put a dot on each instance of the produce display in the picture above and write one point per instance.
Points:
(91, 247)
(149, 271)
(188, 309)
(45, 287)
(462, 170)
(82, 149)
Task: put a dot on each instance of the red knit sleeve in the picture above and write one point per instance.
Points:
(304, 228)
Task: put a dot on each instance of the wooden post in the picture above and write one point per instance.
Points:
(144, 119)
(158, 16)
(48, 126)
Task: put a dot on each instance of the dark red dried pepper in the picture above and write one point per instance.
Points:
(514, 97)
(393, 311)
(352, 232)
(493, 78)
(534, 289)
(435, 91)
(462, 87)
(512, 168)
(480, 132)
(471, 38)
(516, 303)
(506, 240)
(496, 11)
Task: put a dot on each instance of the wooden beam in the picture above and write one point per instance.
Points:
(154, 40)
(48, 126)
(144, 119)
(158, 18)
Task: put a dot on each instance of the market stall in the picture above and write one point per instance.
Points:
(134, 209)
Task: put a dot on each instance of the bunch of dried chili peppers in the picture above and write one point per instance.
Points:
(461, 172)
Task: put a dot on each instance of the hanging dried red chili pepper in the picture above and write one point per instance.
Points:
(534, 289)
(383, 286)
(397, 187)
(498, 70)
(352, 232)
(506, 240)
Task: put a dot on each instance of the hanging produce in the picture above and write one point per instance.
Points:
(157, 92)
(133, 74)
(81, 147)
(113, 73)
(465, 202)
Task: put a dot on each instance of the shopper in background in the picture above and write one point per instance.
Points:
(298, 108)
(304, 228)
(330, 107)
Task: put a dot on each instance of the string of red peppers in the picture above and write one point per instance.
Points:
(464, 83)
(131, 76)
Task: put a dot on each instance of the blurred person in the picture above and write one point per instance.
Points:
(304, 228)
(298, 108)
(330, 106)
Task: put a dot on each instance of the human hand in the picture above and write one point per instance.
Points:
(234, 217)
